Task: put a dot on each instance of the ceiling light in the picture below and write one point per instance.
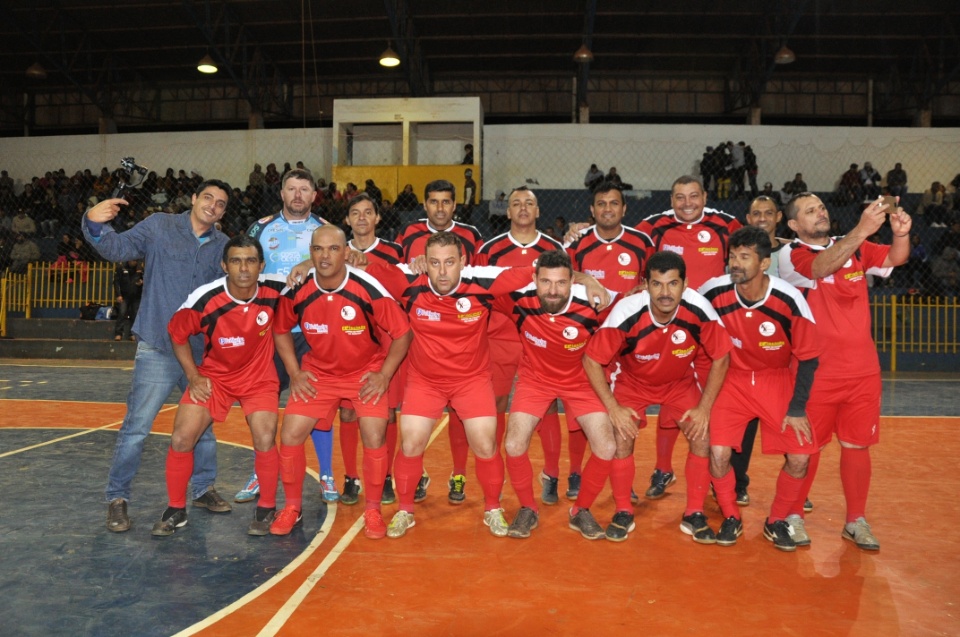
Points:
(206, 64)
(389, 57)
(583, 55)
(36, 72)
(784, 56)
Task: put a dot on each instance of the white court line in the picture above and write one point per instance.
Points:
(123, 367)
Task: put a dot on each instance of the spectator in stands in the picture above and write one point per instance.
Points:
(796, 186)
(257, 179)
(6, 221)
(708, 171)
(374, 192)
(849, 189)
(469, 197)
(897, 181)
(467, 155)
(390, 221)
(406, 200)
(768, 191)
(560, 227)
(750, 164)
(954, 192)
(614, 177)
(593, 178)
(950, 238)
(24, 252)
(932, 205)
(946, 271)
(6, 183)
(497, 215)
(23, 223)
(739, 168)
(723, 164)
(870, 182)
(916, 271)
(271, 177)
(128, 287)
(103, 186)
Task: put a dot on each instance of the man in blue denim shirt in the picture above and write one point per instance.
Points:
(181, 253)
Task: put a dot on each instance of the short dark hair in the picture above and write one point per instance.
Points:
(764, 198)
(684, 180)
(752, 237)
(216, 183)
(444, 238)
(298, 173)
(521, 189)
(790, 210)
(607, 186)
(554, 259)
(363, 197)
(665, 261)
(440, 185)
(242, 241)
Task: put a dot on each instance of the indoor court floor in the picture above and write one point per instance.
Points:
(64, 574)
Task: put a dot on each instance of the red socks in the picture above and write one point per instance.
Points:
(407, 472)
(293, 467)
(698, 477)
(726, 490)
(374, 475)
(622, 473)
(788, 489)
(459, 447)
(267, 466)
(592, 480)
(391, 444)
(179, 470)
(349, 441)
(549, 431)
(577, 447)
(490, 476)
(666, 441)
(855, 471)
(797, 506)
(521, 477)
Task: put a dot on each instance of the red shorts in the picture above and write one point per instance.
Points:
(534, 398)
(220, 402)
(848, 407)
(331, 392)
(674, 399)
(470, 397)
(504, 360)
(397, 383)
(747, 395)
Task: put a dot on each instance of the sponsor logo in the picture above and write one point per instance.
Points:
(463, 305)
(828, 279)
(623, 258)
(354, 330)
(627, 274)
(672, 248)
(471, 317)
(262, 318)
(703, 236)
(683, 353)
(427, 315)
(287, 256)
(647, 358)
(736, 342)
(772, 346)
(273, 243)
(570, 332)
(767, 328)
(854, 276)
(315, 328)
(678, 337)
(348, 313)
(232, 341)
(573, 347)
(597, 274)
(709, 251)
(539, 342)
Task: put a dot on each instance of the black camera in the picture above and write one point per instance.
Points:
(129, 167)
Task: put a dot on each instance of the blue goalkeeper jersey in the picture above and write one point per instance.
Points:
(285, 243)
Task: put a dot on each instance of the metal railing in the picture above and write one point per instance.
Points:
(916, 325)
(55, 285)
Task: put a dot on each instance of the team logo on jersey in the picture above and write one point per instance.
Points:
(231, 341)
(315, 328)
(463, 305)
(273, 243)
(348, 313)
(623, 258)
(262, 318)
(570, 332)
(703, 236)
(767, 328)
(848, 263)
(678, 337)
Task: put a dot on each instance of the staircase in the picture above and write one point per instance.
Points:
(67, 339)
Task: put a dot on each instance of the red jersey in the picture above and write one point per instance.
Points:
(617, 263)
(237, 335)
(703, 244)
(342, 326)
(840, 305)
(450, 330)
(414, 237)
(768, 333)
(553, 344)
(652, 354)
(382, 251)
(505, 251)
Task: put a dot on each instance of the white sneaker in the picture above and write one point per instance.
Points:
(497, 523)
(401, 522)
(860, 534)
(797, 530)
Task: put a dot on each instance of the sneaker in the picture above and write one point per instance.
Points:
(620, 526)
(457, 483)
(730, 530)
(389, 495)
(171, 520)
(659, 481)
(798, 530)
(743, 498)
(351, 491)
(421, 493)
(695, 525)
(328, 489)
(779, 533)
(249, 491)
(573, 486)
(807, 506)
(584, 523)
(548, 493)
(859, 533)
(634, 498)
(117, 519)
(211, 501)
(373, 525)
(285, 521)
(402, 521)
(495, 520)
(526, 521)
(262, 519)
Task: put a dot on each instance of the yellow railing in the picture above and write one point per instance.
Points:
(53, 285)
(916, 325)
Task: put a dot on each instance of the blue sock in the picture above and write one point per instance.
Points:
(323, 445)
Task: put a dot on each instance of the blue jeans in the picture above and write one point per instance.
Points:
(154, 376)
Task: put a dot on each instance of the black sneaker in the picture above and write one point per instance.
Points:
(117, 519)
(421, 492)
(389, 495)
(457, 484)
(527, 520)
(807, 506)
(634, 498)
(695, 525)
(779, 533)
(548, 493)
(573, 486)
(659, 481)
(171, 520)
(262, 519)
(620, 526)
(730, 530)
(211, 501)
(743, 498)
(351, 491)
(587, 526)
